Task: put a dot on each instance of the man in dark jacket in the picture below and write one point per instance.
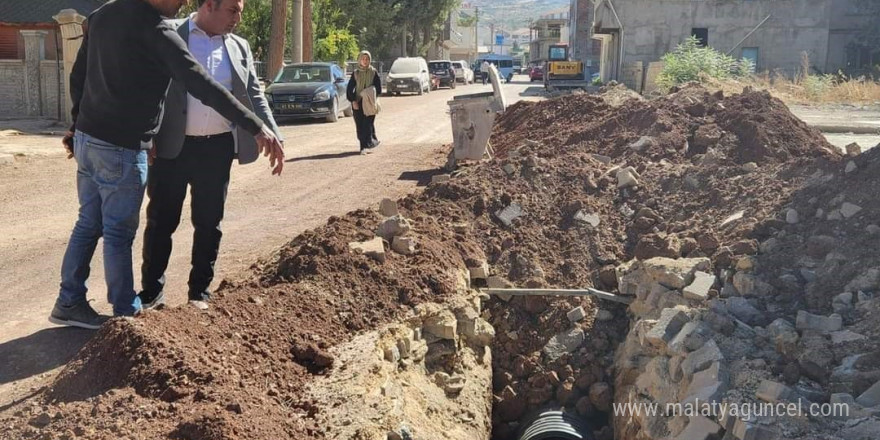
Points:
(118, 85)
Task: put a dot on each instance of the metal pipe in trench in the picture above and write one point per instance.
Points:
(556, 425)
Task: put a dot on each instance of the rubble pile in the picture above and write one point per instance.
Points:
(747, 248)
(743, 238)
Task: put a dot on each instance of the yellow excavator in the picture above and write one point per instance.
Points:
(561, 72)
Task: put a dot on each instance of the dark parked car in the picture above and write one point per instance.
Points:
(309, 91)
(536, 73)
(444, 71)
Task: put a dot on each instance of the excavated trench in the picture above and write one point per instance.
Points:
(373, 327)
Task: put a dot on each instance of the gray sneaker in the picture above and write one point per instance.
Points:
(157, 302)
(79, 315)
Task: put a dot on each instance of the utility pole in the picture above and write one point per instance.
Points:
(477, 34)
(492, 37)
(296, 23)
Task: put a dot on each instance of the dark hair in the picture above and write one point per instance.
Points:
(216, 2)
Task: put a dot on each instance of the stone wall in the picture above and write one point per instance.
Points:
(50, 87)
(12, 99)
(821, 28)
(712, 359)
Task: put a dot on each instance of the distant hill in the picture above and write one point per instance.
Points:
(514, 14)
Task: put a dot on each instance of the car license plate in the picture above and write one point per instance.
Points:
(293, 106)
(403, 86)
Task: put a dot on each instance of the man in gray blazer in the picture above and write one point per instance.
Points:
(195, 147)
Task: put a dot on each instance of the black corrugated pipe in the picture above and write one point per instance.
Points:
(555, 425)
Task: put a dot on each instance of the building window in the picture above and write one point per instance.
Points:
(702, 35)
(751, 54)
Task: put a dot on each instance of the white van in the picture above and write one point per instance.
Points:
(409, 75)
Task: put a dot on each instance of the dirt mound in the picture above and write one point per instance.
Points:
(831, 248)
(748, 127)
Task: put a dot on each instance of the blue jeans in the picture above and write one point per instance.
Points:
(110, 182)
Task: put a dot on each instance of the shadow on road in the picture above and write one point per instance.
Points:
(324, 156)
(40, 352)
(423, 177)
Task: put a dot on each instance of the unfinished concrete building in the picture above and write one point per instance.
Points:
(772, 33)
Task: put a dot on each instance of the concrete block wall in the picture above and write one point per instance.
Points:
(12, 88)
(49, 85)
(655, 27)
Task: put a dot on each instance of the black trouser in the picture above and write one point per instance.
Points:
(366, 128)
(203, 164)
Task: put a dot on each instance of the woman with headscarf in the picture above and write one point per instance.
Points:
(363, 77)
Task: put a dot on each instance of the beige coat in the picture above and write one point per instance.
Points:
(370, 101)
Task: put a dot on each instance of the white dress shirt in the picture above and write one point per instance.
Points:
(210, 52)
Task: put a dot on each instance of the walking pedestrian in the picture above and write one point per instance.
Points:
(484, 71)
(118, 83)
(195, 147)
(365, 83)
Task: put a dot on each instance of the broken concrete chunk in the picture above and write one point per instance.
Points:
(667, 327)
(792, 217)
(699, 289)
(743, 310)
(844, 336)
(818, 323)
(842, 303)
(507, 215)
(576, 314)
(393, 227)
(850, 167)
(688, 339)
(509, 169)
(641, 144)
(374, 248)
(388, 208)
(871, 397)
(627, 177)
(589, 218)
(835, 215)
(701, 359)
(749, 285)
(873, 229)
(404, 245)
(745, 263)
(848, 210)
(480, 272)
(442, 324)
(853, 149)
(774, 392)
(750, 167)
(565, 342)
(868, 281)
(604, 159)
(675, 274)
(734, 217)
(478, 331)
(441, 178)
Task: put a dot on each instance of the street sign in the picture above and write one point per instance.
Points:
(499, 39)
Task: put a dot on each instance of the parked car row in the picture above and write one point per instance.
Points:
(317, 90)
